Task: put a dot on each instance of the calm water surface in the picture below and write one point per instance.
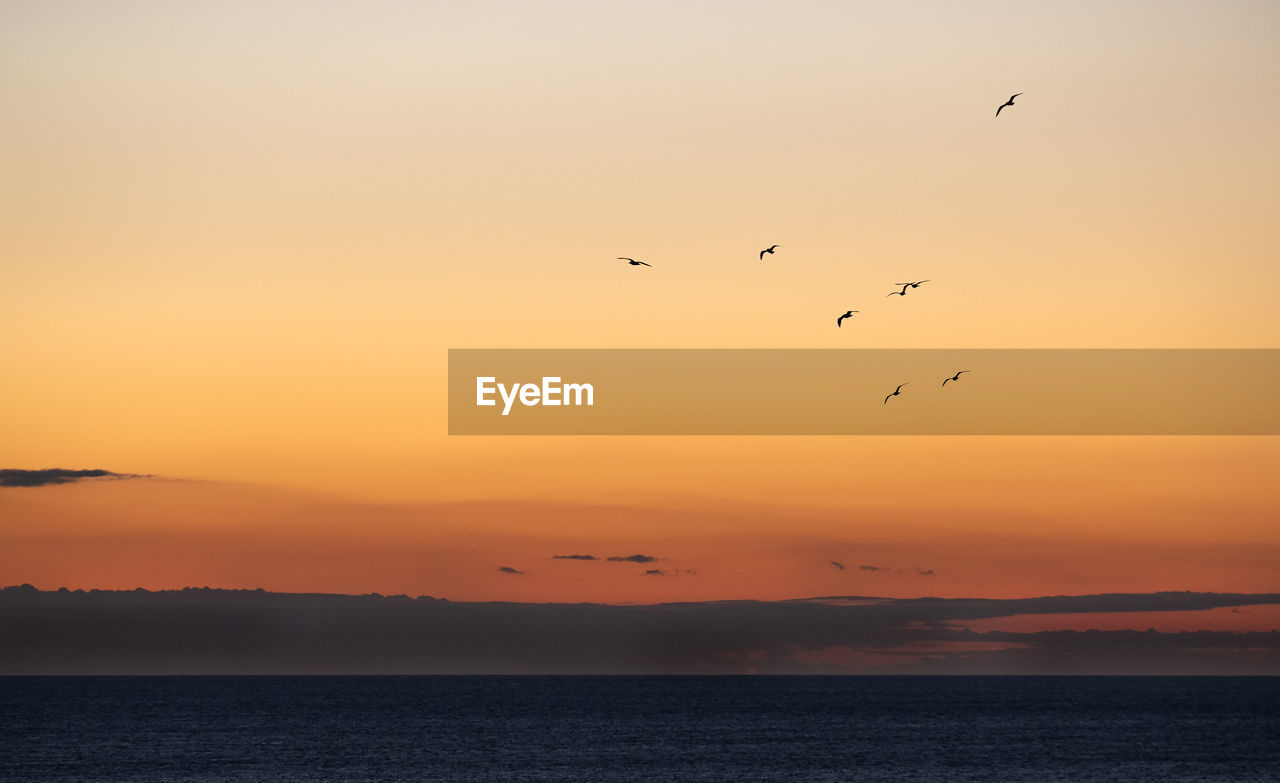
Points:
(354, 729)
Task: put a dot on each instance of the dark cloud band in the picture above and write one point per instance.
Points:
(14, 477)
(224, 631)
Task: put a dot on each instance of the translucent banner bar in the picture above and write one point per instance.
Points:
(851, 392)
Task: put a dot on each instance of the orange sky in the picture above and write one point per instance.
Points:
(725, 518)
(236, 242)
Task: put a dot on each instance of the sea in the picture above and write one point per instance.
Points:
(602, 729)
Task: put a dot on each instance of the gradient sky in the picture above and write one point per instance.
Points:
(237, 239)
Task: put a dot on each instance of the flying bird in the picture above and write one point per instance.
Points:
(768, 250)
(896, 392)
(905, 286)
(955, 377)
(633, 262)
(1007, 103)
(848, 314)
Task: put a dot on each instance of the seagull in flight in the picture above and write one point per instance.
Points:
(896, 392)
(955, 377)
(848, 314)
(768, 250)
(1007, 103)
(905, 286)
(633, 262)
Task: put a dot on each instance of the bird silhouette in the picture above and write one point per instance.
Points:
(1007, 103)
(847, 314)
(768, 250)
(955, 377)
(896, 392)
(905, 286)
(633, 262)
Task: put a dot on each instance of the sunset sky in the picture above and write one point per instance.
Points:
(237, 240)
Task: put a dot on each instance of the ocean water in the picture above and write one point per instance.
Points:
(600, 729)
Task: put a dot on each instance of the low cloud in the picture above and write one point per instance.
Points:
(574, 557)
(14, 477)
(93, 632)
(633, 559)
(510, 570)
(889, 569)
(838, 565)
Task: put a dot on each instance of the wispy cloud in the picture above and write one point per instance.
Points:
(15, 477)
(890, 569)
(510, 570)
(574, 557)
(838, 565)
(633, 559)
